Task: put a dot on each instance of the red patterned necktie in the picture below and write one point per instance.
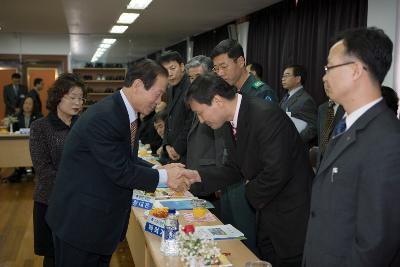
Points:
(133, 131)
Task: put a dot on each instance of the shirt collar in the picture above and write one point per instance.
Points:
(355, 115)
(295, 90)
(131, 112)
(235, 118)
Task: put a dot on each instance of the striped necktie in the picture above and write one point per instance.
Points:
(330, 115)
(134, 125)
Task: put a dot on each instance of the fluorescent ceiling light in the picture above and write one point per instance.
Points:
(104, 45)
(109, 41)
(118, 29)
(138, 4)
(101, 50)
(127, 18)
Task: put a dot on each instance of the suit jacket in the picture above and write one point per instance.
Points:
(205, 147)
(303, 107)
(148, 134)
(91, 200)
(354, 220)
(179, 118)
(268, 152)
(36, 98)
(21, 121)
(13, 100)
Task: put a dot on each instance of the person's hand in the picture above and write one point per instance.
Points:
(176, 181)
(192, 176)
(172, 153)
(171, 165)
(159, 150)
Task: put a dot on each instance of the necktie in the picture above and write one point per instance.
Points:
(330, 115)
(340, 127)
(284, 100)
(133, 131)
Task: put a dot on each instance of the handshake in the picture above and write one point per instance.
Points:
(179, 178)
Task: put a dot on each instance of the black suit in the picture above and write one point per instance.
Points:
(302, 106)
(13, 100)
(91, 201)
(355, 218)
(322, 112)
(269, 152)
(37, 102)
(179, 118)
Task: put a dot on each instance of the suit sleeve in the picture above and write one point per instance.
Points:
(215, 178)
(180, 142)
(377, 233)
(40, 153)
(275, 140)
(308, 114)
(110, 150)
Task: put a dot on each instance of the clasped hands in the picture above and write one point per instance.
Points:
(179, 178)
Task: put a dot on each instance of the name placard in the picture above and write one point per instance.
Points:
(154, 225)
(139, 200)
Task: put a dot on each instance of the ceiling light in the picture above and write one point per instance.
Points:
(109, 41)
(127, 18)
(138, 4)
(101, 49)
(105, 45)
(118, 29)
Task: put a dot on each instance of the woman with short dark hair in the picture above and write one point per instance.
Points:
(47, 137)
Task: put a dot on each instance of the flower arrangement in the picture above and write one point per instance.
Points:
(9, 121)
(195, 251)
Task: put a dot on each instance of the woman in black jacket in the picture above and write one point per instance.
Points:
(47, 139)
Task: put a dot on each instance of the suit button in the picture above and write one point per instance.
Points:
(312, 214)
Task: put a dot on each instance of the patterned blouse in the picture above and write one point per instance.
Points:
(46, 142)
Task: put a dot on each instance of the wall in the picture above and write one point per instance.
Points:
(34, 44)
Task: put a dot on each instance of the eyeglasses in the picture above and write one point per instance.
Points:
(284, 76)
(79, 100)
(326, 68)
(222, 67)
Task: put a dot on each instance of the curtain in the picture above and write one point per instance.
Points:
(181, 48)
(204, 43)
(285, 34)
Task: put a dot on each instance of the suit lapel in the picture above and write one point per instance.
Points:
(194, 125)
(293, 99)
(337, 146)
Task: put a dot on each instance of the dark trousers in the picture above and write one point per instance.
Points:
(70, 256)
(268, 253)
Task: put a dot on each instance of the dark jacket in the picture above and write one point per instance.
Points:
(91, 201)
(355, 219)
(46, 142)
(36, 98)
(179, 118)
(269, 153)
(13, 100)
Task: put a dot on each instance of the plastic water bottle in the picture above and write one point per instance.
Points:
(171, 232)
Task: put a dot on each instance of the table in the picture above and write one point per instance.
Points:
(14, 150)
(145, 247)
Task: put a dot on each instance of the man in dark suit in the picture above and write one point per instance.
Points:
(354, 219)
(205, 146)
(265, 152)
(179, 117)
(35, 94)
(298, 103)
(91, 201)
(13, 94)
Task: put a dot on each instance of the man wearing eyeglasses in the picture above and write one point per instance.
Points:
(354, 219)
(298, 104)
(230, 65)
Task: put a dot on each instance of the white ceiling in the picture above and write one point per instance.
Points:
(87, 22)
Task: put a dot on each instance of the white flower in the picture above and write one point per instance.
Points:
(191, 246)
